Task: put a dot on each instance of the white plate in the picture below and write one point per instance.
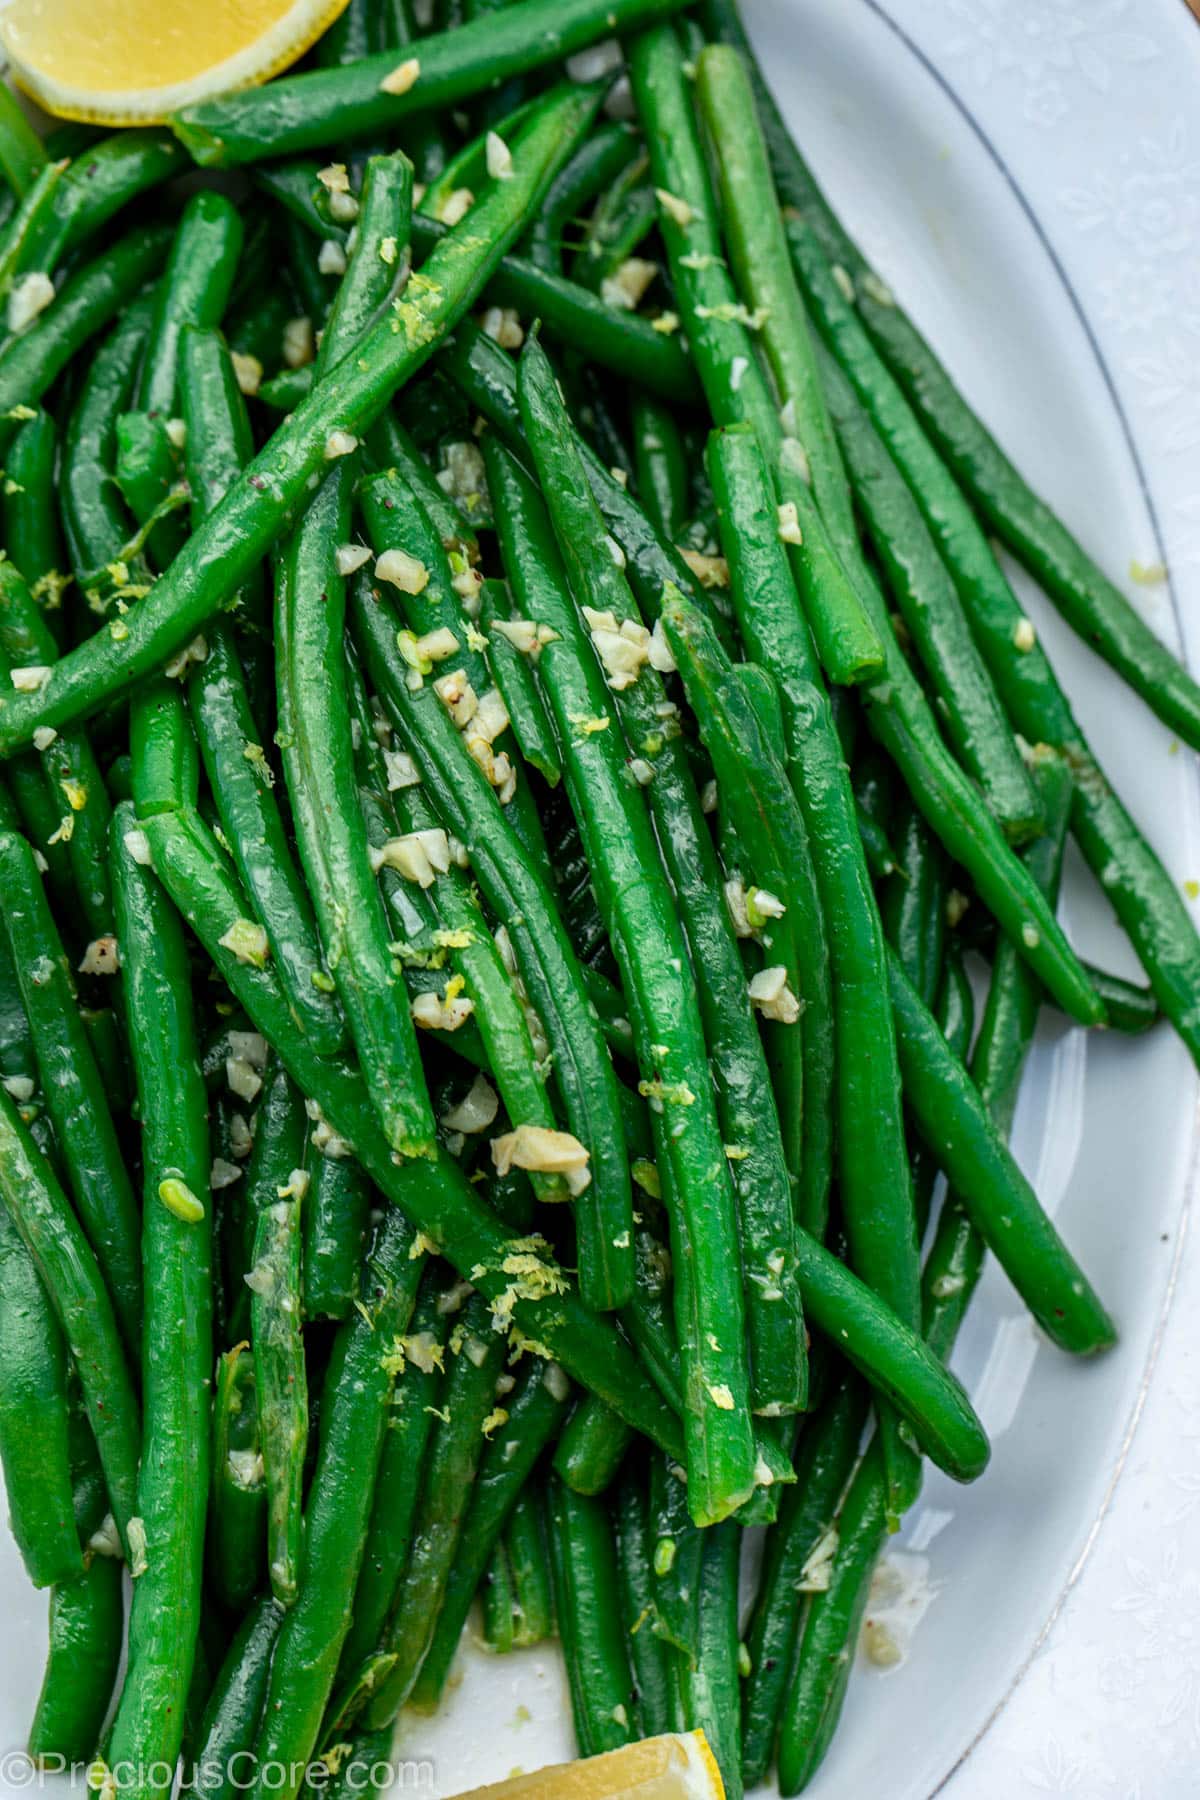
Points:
(1021, 171)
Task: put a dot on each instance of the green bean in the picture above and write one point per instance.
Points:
(30, 519)
(468, 1410)
(318, 763)
(238, 1507)
(517, 895)
(531, 723)
(624, 215)
(38, 815)
(913, 905)
(1003, 1206)
(592, 1448)
(234, 1707)
(70, 768)
(824, 1462)
(167, 1550)
(620, 341)
(498, 1603)
(401, 1467)
(32, 362)
(101, 180)
(1131, 1008)
(355, 33)
(466, 171)
(279, 1365)
(711, 1688)
(542, 1302)
(661, 463)
(94, 520)
(73, 1087)
(336, 1212)
(533, 1597)
(22, 155)
(833, 1625)
(378, 259)
(217, 447)
(327, 106)
(534, 1414)
(894, 1359)
(647, 940)
(33, 1419)
(87, 1618)
(76, 1290)
(583, 1558)
(923, 590)
(19, 239)
(358, 1385)
(393, 447)
(723, 349)
(759, 255)
(217, 558)
(193, 291)
(595, 166)
(651, 1658)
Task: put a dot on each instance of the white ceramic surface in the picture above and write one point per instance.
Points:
(1027, 175)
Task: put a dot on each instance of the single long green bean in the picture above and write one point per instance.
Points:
(280, 1376)
(225, 1739)
(237, 1514)
(31, 532)
(34, 1419)
(327, 106)
(22, 155)
(86, 1627)
(711, 1686)
(595, 165)
(167, 1546)
(583, 1558)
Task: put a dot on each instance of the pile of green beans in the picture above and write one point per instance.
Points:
(515, 750)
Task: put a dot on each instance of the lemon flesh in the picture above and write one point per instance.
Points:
(661, 1768)
(134, 61)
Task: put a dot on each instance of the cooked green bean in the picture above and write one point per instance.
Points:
(526, 1546)
(73, 1087)
(22, 155)
(955, 1123)
(87, 1620)
(167, 1543)
(95, 522)
(231, 1715)
(625, 214)
(586, 1590)
(328, 105)
(71, 771)
(518, 896)
(531, 723)
(30, 517)
(76, 1289)
(711, 1686)
(33, 1419)
(280, 1379)
(218, 446)
(652, 1660)
(336, 1213)
(358, 1385)
(237, 1516)
(498, 1603)
(661, 465)
(594, 166)
(825, 1458)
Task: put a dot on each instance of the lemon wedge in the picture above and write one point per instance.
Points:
(124, 62)
(661, 1768)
